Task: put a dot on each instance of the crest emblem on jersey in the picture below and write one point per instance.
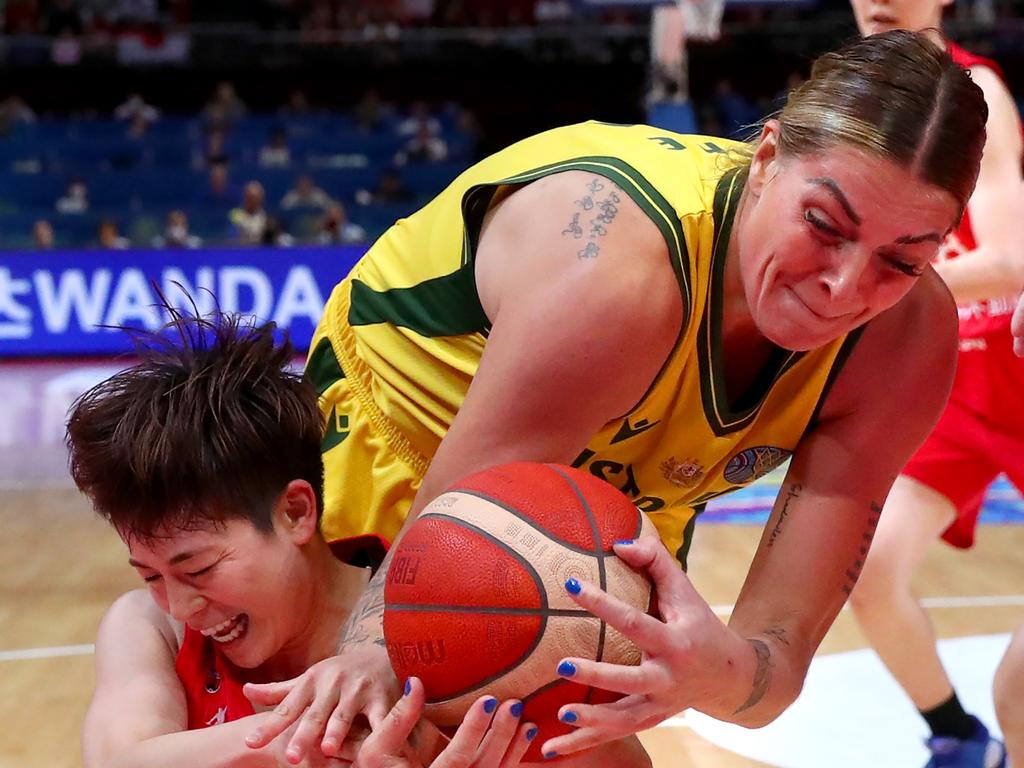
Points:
(682, 474)
(752, 463)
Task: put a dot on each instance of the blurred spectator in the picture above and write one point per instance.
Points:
(389, 189)
(63, 18)
(219, 192)
(305, 194)
(75, 199)
(109, 237)
(214, 150)
(13, 112)
(176, 233)
(225, 107)
(250, 219)
(42, 235)
(424, 147)
(297, 105)
(552, 11)
(135, 150)
(134, 107)
(419, 121)
(336, 229)
(274, 234)
(371, 112)
(276, 153)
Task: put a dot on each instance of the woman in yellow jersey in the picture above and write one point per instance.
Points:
(677, 315)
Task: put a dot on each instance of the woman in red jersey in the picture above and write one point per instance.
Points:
(981, 432)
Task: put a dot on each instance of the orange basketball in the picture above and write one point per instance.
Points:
(475, 599)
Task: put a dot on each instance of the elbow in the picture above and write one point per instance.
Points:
(769, 712)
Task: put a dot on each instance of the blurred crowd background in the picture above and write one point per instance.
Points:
(184, 123)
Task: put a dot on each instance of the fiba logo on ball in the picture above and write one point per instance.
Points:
(482, 608)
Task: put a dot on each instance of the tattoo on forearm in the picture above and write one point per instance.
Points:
(853, 572)
(602, 201)
(366, 623)
(762, 674)
(778, 633)
(793, 492)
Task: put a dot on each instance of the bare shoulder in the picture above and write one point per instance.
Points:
(904, 361)
(580, 228)
(134, 614)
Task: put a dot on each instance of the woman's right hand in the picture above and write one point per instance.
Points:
(490, 736)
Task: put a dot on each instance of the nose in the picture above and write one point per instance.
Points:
(184, 602)
(842, 279)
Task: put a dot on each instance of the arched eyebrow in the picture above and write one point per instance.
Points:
(836, 192)
(914, 239)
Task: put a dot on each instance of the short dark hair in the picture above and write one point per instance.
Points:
(210, 425)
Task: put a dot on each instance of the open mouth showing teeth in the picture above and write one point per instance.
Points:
(228, 630)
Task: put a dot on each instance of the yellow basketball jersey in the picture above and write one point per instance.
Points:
(407, 328)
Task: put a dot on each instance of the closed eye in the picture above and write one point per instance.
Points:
(820, 224)
(906, 268)
(201, 571)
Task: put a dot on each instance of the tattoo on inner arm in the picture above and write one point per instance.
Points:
(762, 674)
(366, 623)
(853, 572)
(601, 204)
(793, 492)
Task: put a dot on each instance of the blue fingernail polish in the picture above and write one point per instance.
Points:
(516, 709)
(490, 705)
(573, 587)
(567, 669)
(531, 734)
(625, 542)
(549, 755)
(408, 687)
(568, 717)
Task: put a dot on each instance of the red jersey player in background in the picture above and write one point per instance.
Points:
(981, 432)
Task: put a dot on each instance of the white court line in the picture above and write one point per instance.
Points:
(47, 653)
(978, 601)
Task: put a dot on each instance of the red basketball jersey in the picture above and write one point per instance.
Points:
(979, 318)
(213, 686)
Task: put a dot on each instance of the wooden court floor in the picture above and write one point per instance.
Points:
(61, 568)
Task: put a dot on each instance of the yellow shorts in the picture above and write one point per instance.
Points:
(371, 471)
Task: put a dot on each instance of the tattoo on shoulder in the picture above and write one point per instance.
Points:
(365, 622)
(762, 674)
(853, 572)
(791, 492)
(598, 208)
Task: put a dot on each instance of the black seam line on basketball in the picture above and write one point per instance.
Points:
(541, 590)
(577, 613)
(595, 532)
(529, 521)
(458, 521)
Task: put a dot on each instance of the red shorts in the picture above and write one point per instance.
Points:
(980, 434)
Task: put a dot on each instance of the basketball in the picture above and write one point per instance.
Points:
(475, 598)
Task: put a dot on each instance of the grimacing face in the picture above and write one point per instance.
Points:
(874, 16)
(832, 240)
(234, 583)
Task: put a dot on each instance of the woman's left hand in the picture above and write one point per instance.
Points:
(688, 655)
(490, 736)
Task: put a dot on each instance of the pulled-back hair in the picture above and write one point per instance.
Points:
(210, 425)
(896, 95)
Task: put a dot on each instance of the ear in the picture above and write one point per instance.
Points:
(295, 512)
(764, 164)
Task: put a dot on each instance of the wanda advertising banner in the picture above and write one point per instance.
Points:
(70, 303)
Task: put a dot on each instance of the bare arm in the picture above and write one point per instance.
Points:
(996, 266)
(138, 716)
(882, 407)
